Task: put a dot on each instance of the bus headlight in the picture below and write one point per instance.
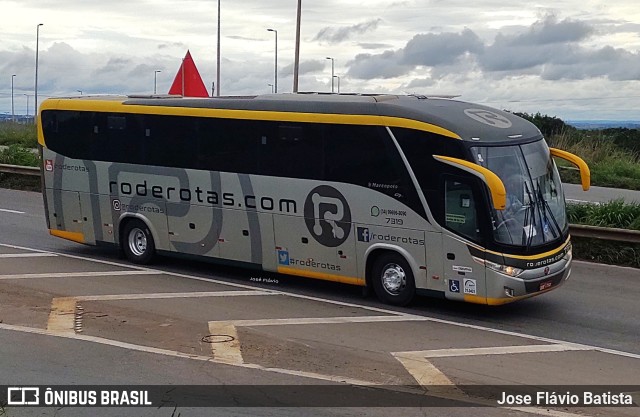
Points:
(512, 271)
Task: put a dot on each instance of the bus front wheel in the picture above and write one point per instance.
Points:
(393, 280)
(137, 242)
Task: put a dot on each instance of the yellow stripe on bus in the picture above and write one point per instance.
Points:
(476, 299)
(117, 106)
(73, 236)
(321, 275)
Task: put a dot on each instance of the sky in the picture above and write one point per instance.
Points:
(576, 60)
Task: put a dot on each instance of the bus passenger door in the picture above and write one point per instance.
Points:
(464, 277)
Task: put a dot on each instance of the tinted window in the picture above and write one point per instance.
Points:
(366, 156)
(292, 150)
(460, 209)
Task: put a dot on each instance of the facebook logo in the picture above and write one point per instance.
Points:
(283, 257)
(363, 234)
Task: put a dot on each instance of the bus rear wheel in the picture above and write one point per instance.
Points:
(392, 280)
(137, 242)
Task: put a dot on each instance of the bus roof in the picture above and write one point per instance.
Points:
(459, 119)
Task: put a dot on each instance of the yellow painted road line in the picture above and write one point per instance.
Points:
(497, 350)
(225, 346)
(62, 315)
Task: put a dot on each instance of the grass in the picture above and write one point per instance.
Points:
(19, 134)
(616, 214)
(611, 164)
(18, 155)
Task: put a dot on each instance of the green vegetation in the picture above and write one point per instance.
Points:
(613, 155)
(19, 134)
(615, 213)
(18, 155)
(612, 214)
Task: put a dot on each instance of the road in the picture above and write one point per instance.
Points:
(73, 314)
(574, 193)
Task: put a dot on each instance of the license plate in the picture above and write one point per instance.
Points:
(545, 285)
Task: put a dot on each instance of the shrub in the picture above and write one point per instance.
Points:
(18, 155)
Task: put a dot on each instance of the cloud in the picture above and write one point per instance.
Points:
(385, 65)
(306, 67)
(550, 31)
(422, 50)
(336, 35)
(548, 49)
(440, 49)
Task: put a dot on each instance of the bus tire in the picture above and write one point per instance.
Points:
(137, 242)
(392, 279)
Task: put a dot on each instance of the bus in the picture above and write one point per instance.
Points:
(402, 194)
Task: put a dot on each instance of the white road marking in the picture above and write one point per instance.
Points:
(76, 274)
(320, 320)
(168, 295)
(148, 349)
(62, 314)
(346, 304)
(26, 255)
(230, 351)
(303, 374)
(426, 373)
(497, 350)
(12, 211)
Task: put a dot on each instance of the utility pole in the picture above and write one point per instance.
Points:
(296, 63)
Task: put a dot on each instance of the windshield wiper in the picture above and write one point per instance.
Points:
(546, 211)
(527, 238)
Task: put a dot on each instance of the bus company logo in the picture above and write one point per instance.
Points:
(117, 206)
(470, 286)
(327, 216)
(23, 396)
(48, 165)
(488, 118)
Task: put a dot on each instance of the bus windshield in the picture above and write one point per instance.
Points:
(535, 209)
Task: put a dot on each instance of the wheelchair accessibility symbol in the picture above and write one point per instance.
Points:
(454, 285)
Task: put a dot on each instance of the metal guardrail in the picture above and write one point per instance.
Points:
(605, 233)
(578, 230)
(20, 170)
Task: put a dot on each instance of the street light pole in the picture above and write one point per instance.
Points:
(275, 75)
(155, 81)
(218, 55)
(296, 62)
(13, 115)
(79, 91)
(35, 98)
(338, 77)
(332, 72)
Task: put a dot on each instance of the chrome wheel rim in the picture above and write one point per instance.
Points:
(137, 242)
(394, 279)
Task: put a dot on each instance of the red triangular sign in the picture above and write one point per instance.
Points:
(188, 82)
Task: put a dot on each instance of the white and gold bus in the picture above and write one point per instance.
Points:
(404, 194)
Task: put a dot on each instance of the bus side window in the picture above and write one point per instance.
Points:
(460, 209)
(291, 150)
